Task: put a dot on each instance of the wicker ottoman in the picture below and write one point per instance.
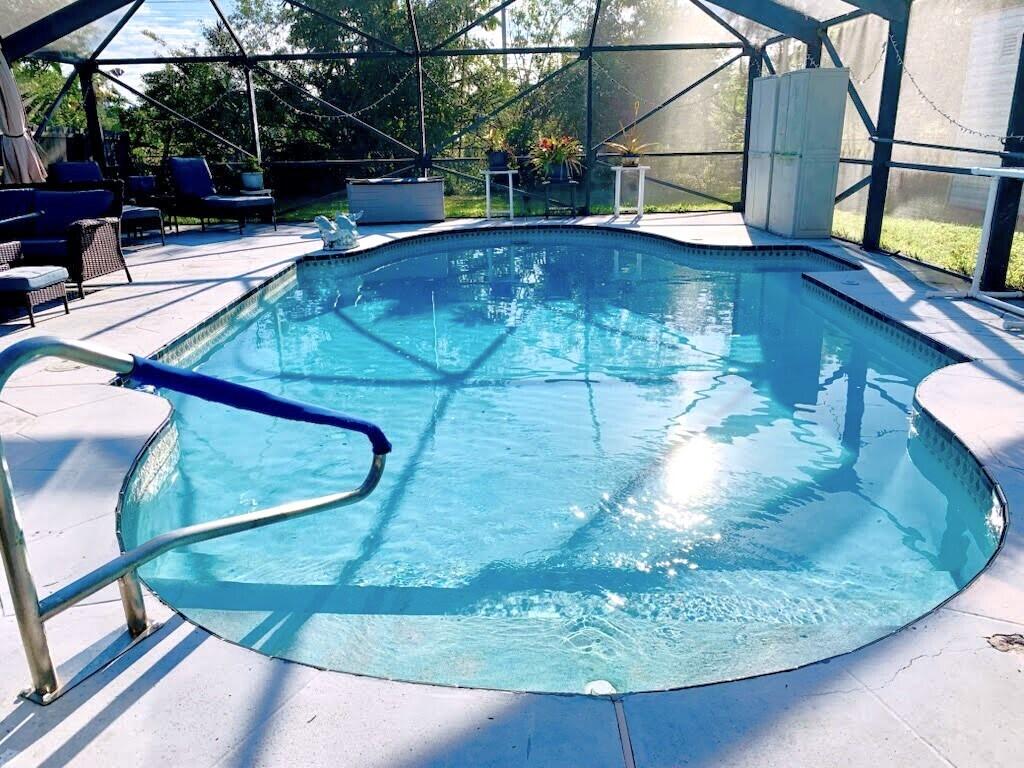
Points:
(135, 219)
(33, 285)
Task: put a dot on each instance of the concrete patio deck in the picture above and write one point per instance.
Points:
(941, 692)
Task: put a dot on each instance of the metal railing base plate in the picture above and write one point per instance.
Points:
(120, 646)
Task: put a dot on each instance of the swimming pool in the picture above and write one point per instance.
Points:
(615, 459)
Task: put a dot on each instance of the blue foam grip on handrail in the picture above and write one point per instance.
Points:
(214, 390)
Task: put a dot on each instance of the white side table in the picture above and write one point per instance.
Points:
(641, 171)
(509, 172)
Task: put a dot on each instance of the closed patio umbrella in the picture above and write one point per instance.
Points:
(17, 150)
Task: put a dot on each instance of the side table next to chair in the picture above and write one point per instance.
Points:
(488, 174)
(641, 171)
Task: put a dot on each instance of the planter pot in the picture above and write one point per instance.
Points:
(497, 160)
(630, 161)
(559, 173)
(252, 180)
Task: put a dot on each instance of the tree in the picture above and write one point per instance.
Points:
(39, 83)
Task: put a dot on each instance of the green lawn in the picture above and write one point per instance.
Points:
(472, 206)
(952, 246)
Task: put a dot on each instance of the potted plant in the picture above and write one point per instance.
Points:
(252, 174)
(557, 158)
(632, 147)
(498, 155)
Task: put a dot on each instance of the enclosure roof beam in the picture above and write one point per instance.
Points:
(721, 22)
(843, 18)
(58, 24)
(48, 115)
(336, 109)
(476, 22)
(853, 189)
(775, 16)
(504, 105)
(593, 24)
(174, 113)
(429, 53)
(117, 28)
(346, 26)
(228, 27)
(674, 97)
(858, 102)
(893, 10)
(420, 105)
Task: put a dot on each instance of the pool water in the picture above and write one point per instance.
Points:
(615, 459)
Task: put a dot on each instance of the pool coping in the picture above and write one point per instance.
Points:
(1008, 472)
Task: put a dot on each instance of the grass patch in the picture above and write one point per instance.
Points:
(473, 207)
(951, 246)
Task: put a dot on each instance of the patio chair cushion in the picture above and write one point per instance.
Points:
(47, 250)
(139, 213)
(75, 173)
(15, 203)
(141, 187)
(61, 209)
(191, 177)
(25, 279)
(238, 202)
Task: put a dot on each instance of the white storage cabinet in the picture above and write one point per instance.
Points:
(799, 188)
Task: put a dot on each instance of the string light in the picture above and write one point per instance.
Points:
(355, 113)
(939, 110)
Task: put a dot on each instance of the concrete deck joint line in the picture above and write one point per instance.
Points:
(627, 745)
(910, 728)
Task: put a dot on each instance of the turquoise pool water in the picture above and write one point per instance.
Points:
(614, 459)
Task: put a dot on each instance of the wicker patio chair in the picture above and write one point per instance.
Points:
(95, 246)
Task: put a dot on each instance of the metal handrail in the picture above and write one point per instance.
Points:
(31, 612)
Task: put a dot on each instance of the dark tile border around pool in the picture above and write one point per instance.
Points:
(916, 335)
(578, 229)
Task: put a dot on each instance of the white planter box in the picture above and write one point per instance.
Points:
(389, 201)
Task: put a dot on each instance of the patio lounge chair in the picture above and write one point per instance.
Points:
(196, 195)
(76, 229)
(135, 218)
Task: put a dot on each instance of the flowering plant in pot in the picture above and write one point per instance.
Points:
(632, 147)
(557, 158)
(252, 174)
(498, 153)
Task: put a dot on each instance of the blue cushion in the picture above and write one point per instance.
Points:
(75, 173)
(133, 212)
(61, 209)
(25, 279)
(191, 177)
(141, 186)
(49, 249)
(238, 202)
(13, 203)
